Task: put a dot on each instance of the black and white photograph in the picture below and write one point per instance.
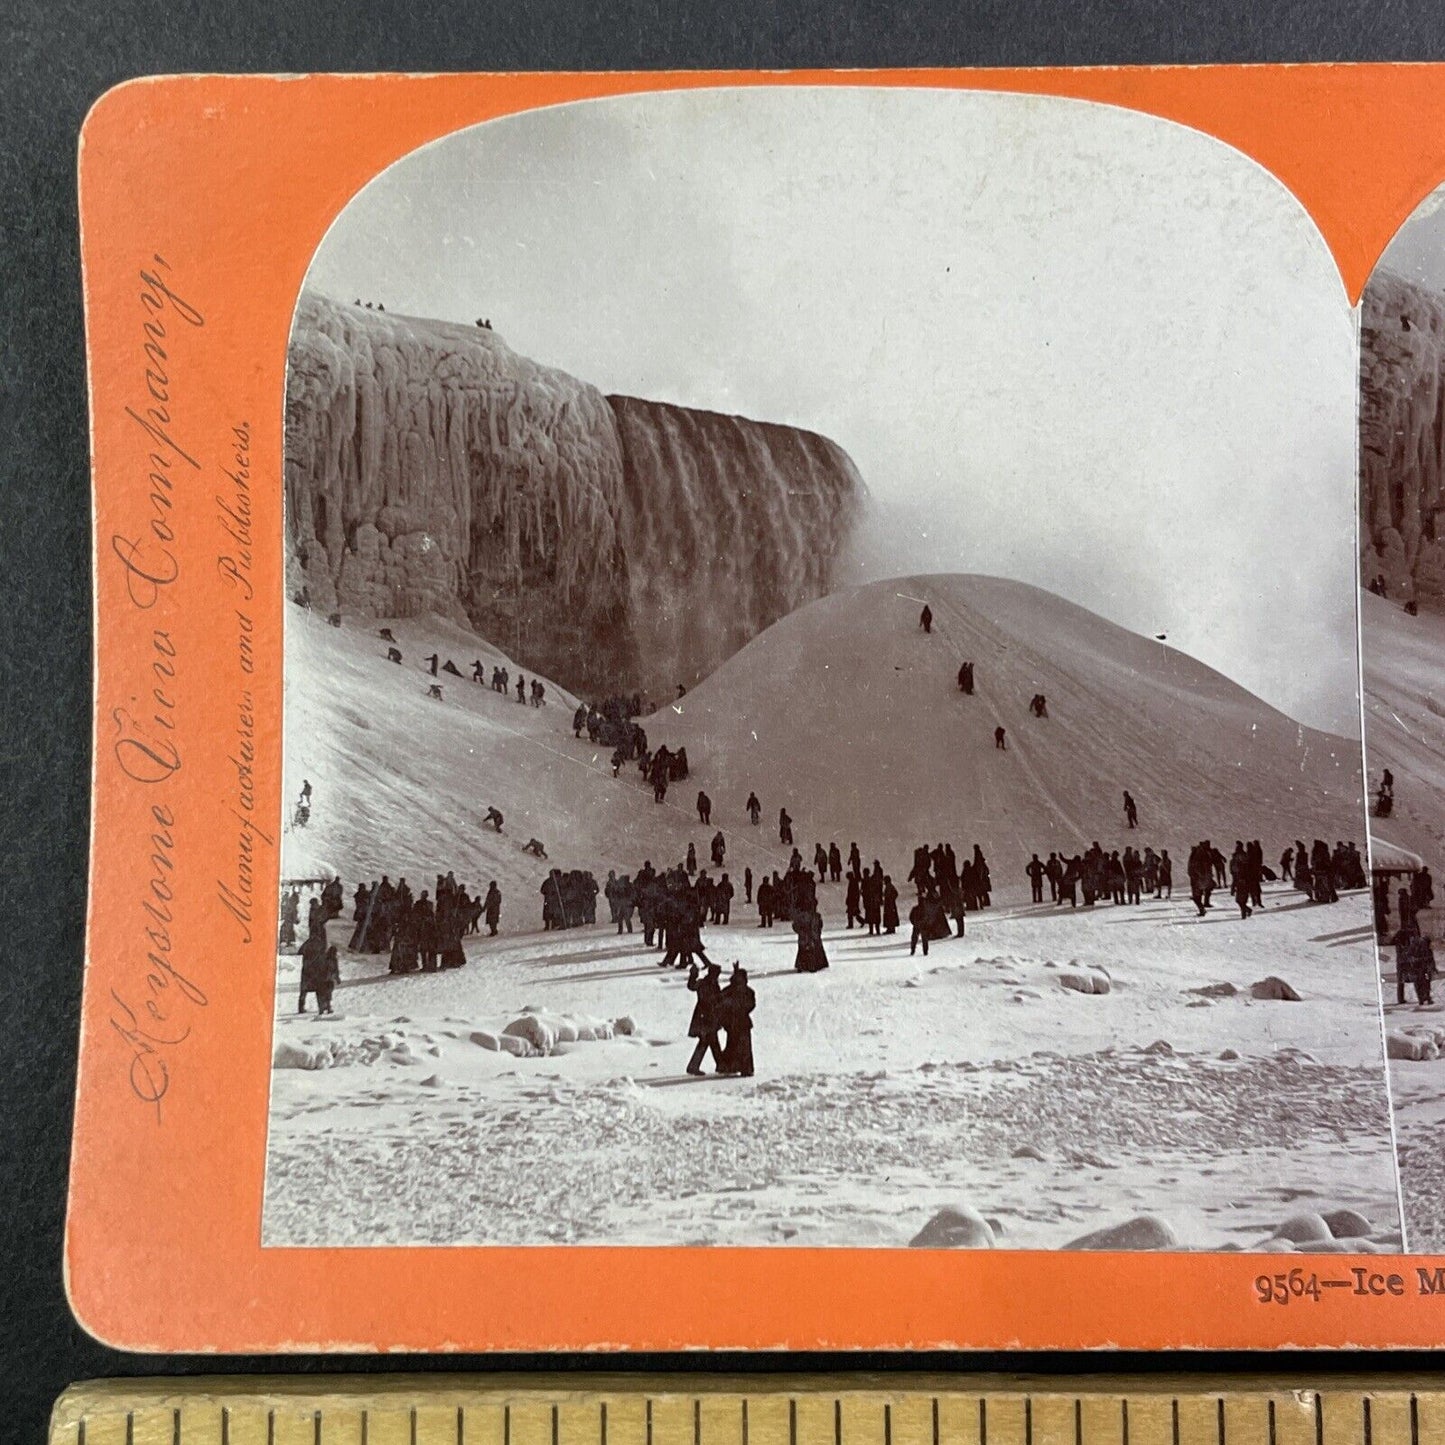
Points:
(1402, 579)
(822, 691)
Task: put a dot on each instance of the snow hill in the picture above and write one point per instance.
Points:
(1404, 667)
(843, 711)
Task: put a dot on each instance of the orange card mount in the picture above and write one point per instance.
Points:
(553, 526)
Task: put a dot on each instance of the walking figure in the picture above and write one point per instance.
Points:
(755, 809)
(965, 678)
(785, 828)
(925, 618)
(494, 818)
(998, 739)
(1131, 812)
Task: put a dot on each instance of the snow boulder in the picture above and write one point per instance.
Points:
(625, 1027)
(1347, 1224)
(1214, 990)
(1410, 1046)
(954, 1227)
(1303, 1228)
(300, 1056)
(1273, 988)
(1144, 1231)
(1084, 982)
(534, 1029)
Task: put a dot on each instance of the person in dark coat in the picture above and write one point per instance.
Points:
(691, 864)
(765, 903)
(735, 1017)
(811, 957)
(1422, 959)
(424, 925)
(835, 863)
(1404, 958)
(1035, 871)
(890, 905)
(492, 908)
(290, 915)
(626, 903)
(754, 809)
(998, 738)
(925, 618)
(705, 1015)
(1422, 889)
(853, 899)
(820, 862)
(918, 918)
(871, 889)
(331, 976)
(785, 828)
(747, 885)
(1131, 811)
(450, 923)
(722, 900)
(719, 850)
(704, 808)
(313, 966)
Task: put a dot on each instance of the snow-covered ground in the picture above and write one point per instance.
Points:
(886, 1088)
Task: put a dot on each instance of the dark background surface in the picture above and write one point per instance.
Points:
(57, 58)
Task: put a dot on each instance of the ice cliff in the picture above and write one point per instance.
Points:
(601, 540)
(1402, 435)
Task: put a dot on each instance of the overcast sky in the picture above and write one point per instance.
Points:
(1063, 343)
(1418, 250)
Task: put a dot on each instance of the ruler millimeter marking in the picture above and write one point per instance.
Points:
(765, 1410)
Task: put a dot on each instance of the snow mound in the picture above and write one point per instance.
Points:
(1273, 988)
(954, 1227)
(1348, 1224)
(288, 1055)
(1144, 1231)
(1085, 982)
(1420, 1047)
(545, 1033)
(1305, 1227)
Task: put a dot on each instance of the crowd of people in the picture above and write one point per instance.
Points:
(419, 932)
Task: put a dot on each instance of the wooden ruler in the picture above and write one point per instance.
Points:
(777, 1410)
